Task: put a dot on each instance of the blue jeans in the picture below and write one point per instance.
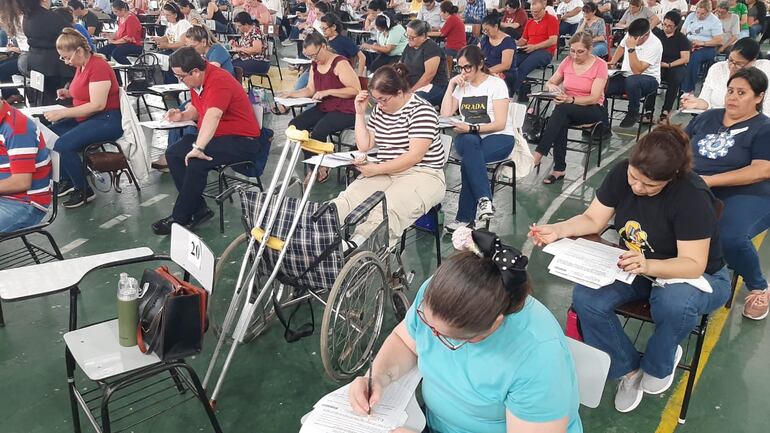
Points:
(600, 49)
(434, 96)
(176, 134)
(697, 59)
(16, 215)
(252, 66)
(523, 64)
(676, 310)
(744, 217)
(566, 28)
(74, 136)
(475, 153)
(3, 38)
(8, 68)
(755, 30)
(302, 80)
(634, 86)
(120, 53)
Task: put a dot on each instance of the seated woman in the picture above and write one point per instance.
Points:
(255, 9)
(673, 63)
(404, 130)
(176, 27)
(704, 30)
(206, 44)
(595, 25)
(745, 53)
(190, 13)
(666, 218)
(213, 12)
(425, 62)
(579, 83)
(332, 82)
(128, 40)
(733, 158)
(493, 358)
(94, 116)
(485, 133)
(251, 48)
(391, 41)
(453, 32)
(514, 19)
(498, 48)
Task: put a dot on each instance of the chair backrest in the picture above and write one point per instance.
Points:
(193, 255)
(517, 112)
(591, 366)
(55, 170)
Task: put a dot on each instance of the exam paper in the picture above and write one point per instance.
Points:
(448, 122)
(586, 262)
(293, 102)
(333, 413)
(163, 88)
(36, 111)
(165, 124)
(339, 159)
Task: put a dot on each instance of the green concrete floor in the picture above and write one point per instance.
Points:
(273, 383)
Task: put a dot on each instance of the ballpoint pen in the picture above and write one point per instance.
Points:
(369, 393)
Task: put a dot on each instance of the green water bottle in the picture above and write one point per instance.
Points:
(128, 310)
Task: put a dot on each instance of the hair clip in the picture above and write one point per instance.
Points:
(462, 240)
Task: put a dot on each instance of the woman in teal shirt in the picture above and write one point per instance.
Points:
(492, 357)
(391, 41)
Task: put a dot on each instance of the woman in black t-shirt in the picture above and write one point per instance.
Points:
(673, 63)
(665, 216)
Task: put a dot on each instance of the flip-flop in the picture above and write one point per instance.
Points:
(322, 179)
(551, 179)
(277, 111)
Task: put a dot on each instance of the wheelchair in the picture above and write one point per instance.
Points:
(295, 252)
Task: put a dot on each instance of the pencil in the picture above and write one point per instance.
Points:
(369, 396)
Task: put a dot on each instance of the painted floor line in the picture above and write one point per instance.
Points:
(669, 419)
(115, 221)
(556, 204)
(72, 245)
(153, 200)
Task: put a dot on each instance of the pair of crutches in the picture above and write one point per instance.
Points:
(261, 238)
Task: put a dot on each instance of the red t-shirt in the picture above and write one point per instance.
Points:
(537, 32)
(97, 69)
(221, 90)
(131, 29)
(454, 32)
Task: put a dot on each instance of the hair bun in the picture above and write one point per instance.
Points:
(401, 69)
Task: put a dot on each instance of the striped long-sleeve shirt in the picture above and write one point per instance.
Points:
(22, 150)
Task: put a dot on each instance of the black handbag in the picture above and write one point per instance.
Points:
(535, 120)
(172, 316)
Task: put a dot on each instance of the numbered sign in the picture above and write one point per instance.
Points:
(211, 24)
(194, 250)
(37, 81)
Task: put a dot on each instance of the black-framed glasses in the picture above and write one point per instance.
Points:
(739, 65)
(181, 77)
(383, 100)
(466, 68)
(451, 343)
(314, 55)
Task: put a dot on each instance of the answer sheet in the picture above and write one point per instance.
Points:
(586, 262)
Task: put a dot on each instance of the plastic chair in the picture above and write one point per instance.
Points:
(591, 366)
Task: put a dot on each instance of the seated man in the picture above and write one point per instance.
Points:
(25, 172)
(228, 133)
(640, 72)
(537, 45)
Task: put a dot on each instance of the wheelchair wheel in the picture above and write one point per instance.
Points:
(101, 182)
(400, 304)
(225, 278)
(353, 316)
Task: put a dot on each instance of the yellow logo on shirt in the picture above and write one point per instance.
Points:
(634, 237)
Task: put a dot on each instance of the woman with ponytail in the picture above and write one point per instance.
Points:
(666, 218)
(492, 357)
(94, 116)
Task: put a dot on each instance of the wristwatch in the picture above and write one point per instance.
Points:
(631, 50)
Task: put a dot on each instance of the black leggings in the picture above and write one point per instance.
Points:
(555, 134)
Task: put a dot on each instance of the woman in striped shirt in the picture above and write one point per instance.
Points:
(404, 129)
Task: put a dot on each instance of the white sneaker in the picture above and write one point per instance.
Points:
(287, 43)
(653, 385)
(454, 225)
(629, 392)
(484, 210)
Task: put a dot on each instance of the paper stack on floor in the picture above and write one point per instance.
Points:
(585, 262)
(333, 413)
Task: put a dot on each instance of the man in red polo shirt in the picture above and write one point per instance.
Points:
(537, 45)
(228, 133)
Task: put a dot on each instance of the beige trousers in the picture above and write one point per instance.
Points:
(408, 196)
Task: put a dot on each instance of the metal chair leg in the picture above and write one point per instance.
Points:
(693, 369)
(2, 319)
(70, 362)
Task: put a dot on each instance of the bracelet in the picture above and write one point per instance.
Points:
(198, 148)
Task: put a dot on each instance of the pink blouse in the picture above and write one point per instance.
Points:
(580, 85)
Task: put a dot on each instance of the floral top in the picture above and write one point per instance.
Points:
(248, 39)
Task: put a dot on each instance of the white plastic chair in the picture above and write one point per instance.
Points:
(592, 366)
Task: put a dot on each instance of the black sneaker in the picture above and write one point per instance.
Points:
(630, 120)
(200, 218)
(65, 187)
(78, 198)
(162, 227)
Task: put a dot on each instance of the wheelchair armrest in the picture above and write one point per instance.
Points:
(362, 210)
(321, 210)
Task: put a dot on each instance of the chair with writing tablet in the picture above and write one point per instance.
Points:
(30, 252)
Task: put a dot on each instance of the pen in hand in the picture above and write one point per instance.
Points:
(369, 389)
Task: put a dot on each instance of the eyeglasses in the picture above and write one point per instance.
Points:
(578, 52)
(411, 38)
(739, 65)
(446, 341)
(384, 100)
(466, 68)
(312, 56)
(182, 77)
(68, 59)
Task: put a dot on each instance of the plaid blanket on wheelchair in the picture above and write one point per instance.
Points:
(310, 240)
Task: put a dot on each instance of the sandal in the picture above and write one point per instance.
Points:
(323, 176)
(279, 110)
(551, 179)
(663, 117)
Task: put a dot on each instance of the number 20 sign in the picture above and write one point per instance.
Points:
(194, 250)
